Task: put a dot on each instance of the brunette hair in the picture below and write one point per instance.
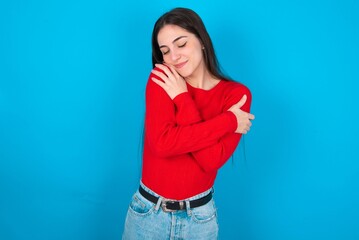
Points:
(190, 21)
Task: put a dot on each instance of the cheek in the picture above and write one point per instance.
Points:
(166, 58)
(198, 56)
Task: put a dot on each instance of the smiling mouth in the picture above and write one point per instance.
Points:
(180, 64)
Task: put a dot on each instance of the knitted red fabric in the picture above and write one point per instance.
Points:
(189, 138)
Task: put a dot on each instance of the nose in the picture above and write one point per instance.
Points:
(174, 54)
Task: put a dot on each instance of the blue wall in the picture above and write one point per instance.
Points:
(72, 79)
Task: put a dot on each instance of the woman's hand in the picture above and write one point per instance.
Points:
(243, 118)
(172, 82)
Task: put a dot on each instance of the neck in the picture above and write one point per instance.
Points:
(202, 79)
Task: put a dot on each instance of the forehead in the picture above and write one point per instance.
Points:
(170, 32)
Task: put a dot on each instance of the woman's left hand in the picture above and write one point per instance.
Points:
(172, 82)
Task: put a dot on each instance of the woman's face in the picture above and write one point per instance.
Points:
(181, 49)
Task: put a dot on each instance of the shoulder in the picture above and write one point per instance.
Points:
(236, 89)
(151, 85)
(233, 92)
(153, 90)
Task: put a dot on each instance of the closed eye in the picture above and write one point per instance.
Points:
(165, 50)
(181, 46)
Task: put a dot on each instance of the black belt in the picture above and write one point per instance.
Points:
(171, 206)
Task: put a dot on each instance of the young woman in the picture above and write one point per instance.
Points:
(194, 120)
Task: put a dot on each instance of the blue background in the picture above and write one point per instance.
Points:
(72, 80)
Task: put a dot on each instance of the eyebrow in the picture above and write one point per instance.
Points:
(180, 37)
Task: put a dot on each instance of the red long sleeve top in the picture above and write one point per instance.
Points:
(189, 138)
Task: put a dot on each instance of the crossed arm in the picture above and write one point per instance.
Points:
(174, 125)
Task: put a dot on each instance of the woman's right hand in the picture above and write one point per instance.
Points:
(171, 82)
(243, 118)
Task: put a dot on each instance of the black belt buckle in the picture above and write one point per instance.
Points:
(164, 205)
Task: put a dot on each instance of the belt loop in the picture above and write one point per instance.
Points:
(189, 211)
(158, 204)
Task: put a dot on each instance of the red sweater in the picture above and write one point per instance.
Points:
(189, 138)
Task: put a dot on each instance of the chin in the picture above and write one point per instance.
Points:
(184, 73)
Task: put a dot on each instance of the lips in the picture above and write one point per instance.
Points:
(180, 64)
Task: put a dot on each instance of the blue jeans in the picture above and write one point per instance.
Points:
(146, 220)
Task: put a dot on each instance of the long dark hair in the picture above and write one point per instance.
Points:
(190, 21)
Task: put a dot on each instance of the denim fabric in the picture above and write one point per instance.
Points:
(146, 220)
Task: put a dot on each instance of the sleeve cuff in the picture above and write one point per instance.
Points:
(232, 121)
(181, 97)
